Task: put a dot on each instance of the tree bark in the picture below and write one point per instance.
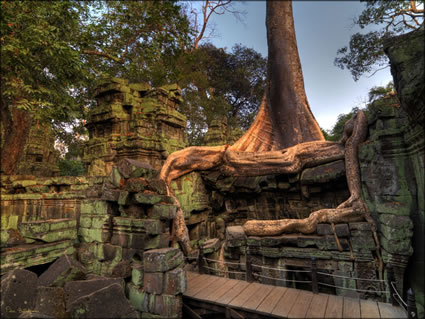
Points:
(16, 127)
(284, 118)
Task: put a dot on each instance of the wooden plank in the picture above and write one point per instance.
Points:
(351, 308)
(369, 309)
(334, 307)
(286, 302)
(191, 276)
(317, 306)
(232, 293)
(200, 283)
(259, 295)
(229, 284)
(268, 304)
(387, 310)
(240, 299)
(301, 305)
(211, 288)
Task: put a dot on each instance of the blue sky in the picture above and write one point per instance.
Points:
(322, 27)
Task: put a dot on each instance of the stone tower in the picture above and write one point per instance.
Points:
(133, 121)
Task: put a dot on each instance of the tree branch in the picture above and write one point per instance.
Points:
(104, 55)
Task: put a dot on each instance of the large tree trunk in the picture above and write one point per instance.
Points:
(284, 118)
(284, 138)
(16, 127)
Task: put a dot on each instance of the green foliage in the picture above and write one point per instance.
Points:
(71, 168)
(220, 84)
(40, 65)
(375, 93)
(365, 51)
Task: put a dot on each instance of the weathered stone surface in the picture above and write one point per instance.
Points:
(51, 301)
(134, 168)
(162, 260)
(136, 185)
(342, 230)
(324, 229)
(271, 241)
(34, 314)
(153, 282)
(79, 288)
(406, 53)
(64, 269)
(324, 173)
(175, 281)
(164, 211)
(167, 306)
(211, 245)
(138, 298)
(137, 273)
(107, 302)
(18, 292)
(235, 236)
(33, 254)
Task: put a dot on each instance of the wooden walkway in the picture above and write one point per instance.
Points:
(251, 300)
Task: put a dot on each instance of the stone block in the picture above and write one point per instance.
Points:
(362, 240)
(342, 230)
(112, 252)
(121, 270)
(211, 245)
(94, 207)
(64, 269)
(138, 298)
(175, 281)
(162, 260)
(130, 168)
(362, 226)
(137, 274)
(323, 173)
(324, 229)
(124, 198)
(158, 186)
(18, 292)
(235, 236)
(164, 211)
(34, 314)
(167, 306)
(147, 199)
(307, 241)
(153, 282)
(51, 301)
(107, 302)
(136, 185)
(157, 241)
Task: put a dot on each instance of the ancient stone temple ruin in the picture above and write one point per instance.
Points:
(104, 245)
(133, 121)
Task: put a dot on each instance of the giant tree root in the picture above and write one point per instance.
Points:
(290, 160)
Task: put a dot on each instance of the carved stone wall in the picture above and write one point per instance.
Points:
(406, 55)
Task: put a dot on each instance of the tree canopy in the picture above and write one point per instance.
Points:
(391, 17)
(54, 53)
(221, 85)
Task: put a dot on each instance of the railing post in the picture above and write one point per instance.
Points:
(249, 275)
(200, 261)
(412, 311)
(314, 283)
(390, 279)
